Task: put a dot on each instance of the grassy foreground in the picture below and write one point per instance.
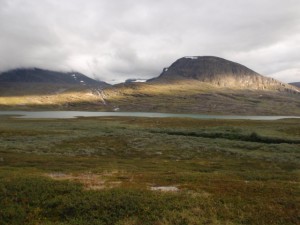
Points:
(149, 171)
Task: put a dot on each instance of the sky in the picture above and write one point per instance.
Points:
(114, 40)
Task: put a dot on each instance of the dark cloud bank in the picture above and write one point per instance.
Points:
(116, 40)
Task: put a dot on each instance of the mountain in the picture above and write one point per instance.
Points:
(45, 89)
(219, 72)
(296, 84)
(204, 85)
(207, 85)
(36, 75)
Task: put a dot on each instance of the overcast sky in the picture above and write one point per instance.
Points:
(114, 40)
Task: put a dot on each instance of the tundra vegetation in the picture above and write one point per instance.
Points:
(149, 171)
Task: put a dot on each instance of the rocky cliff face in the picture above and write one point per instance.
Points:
(219, 72)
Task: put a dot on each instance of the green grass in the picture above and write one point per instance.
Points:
(101, 170)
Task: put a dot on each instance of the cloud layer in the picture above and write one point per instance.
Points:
(114, 40)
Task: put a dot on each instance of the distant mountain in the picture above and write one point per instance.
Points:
(297, 84)
(36, 75)
(219, 72)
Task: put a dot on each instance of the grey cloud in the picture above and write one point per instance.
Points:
(116, 40)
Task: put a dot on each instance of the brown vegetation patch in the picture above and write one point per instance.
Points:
(90, 181)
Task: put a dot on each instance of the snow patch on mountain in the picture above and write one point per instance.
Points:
(191, 57)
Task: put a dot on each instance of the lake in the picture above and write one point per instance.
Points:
(74, 114)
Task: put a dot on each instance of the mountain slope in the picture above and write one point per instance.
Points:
(45, 89)
(219, 72)
(199, 97)
(296, 84)
(36, 75)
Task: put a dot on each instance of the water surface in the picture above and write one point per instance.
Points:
(74, 114)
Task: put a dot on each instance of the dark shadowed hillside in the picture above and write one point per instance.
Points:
(36, 75)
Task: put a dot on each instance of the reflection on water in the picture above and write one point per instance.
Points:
(73, 114)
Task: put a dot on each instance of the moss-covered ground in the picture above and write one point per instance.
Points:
(107, 170)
